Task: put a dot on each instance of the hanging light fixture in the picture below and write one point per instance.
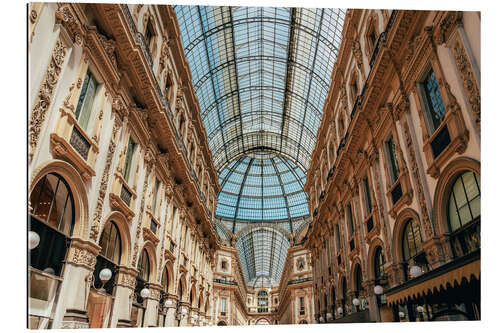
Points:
(415, 271)
(401, 314)
(33, 240)
(378, 290)
(145, 293)
(355, 302)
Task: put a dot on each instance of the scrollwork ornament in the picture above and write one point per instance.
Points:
(45, 95)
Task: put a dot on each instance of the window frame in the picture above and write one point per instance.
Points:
(425, 102)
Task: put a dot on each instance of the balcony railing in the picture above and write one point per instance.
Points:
(228, 282)
(302, 280)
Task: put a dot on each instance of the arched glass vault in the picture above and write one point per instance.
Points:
(261, 76)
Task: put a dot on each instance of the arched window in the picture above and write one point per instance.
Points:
(464, 203)
(333, 300)
(344, 294)
(52, 218)
(138, 305)
(110, 243)
(379, 261)
(413, 253)
(109, 257)
(358, 280)
(165, 282)
(464, 212)
(143, 266)
(262, 301)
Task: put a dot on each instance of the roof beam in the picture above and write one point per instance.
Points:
(284, 195)
(289, 68)
(202, 26)
(310, 81)
(240, 192)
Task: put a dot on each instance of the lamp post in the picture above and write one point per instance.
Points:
(355, 302)
(420, 310)
(105, 275)
(378, 290)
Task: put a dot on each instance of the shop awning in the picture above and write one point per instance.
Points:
(441, 278)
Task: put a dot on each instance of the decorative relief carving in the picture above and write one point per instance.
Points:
(418, 181)
(65, 15)
(33, 16)
(96, 220)
(356, 51)
(141, 213)
(45, 95)
(469, 81)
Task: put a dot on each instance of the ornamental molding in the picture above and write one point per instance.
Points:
(447, 22)
(67, 17)
(469, 81)
(127, 277)
(83, 253)
(141, 213)
(417, 180)
(45, 95)
(96, 220)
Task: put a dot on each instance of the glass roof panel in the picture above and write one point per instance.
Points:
(262, 187)
(261, 75)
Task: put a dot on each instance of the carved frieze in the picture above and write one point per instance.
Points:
(469, 81)
(45, 95)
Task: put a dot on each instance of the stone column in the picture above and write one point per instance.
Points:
(152, 302)
(124, 291)
(184, 317)
(371, 298)
(71, 310)
(171, 311)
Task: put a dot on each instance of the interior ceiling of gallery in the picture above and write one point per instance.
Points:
(261, 76)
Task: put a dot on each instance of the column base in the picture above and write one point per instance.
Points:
(123, 323)
(75, 318)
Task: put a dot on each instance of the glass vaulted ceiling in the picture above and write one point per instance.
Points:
(261, 76)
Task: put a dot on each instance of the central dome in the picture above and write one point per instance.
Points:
(262, 186)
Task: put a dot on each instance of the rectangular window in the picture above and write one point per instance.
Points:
(155, 197)
(368, 199)
(302, 306)
(223, 305)
(174, 211)
(86, 100)
(350, 224)
(393, 161)
(128, 159)
(433, 100)
(337, 237)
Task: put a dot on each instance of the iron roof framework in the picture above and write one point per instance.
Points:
(262, 187)
(262, 254)
(261, 76)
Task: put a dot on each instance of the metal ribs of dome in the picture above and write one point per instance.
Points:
(262, 189)
(261, 75)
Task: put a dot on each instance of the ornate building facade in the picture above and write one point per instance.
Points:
(142, 213)
(395, 182)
